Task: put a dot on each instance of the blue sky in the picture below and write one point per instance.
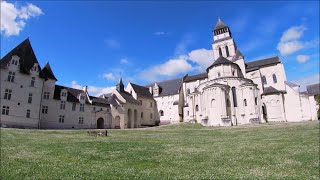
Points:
(92, 43)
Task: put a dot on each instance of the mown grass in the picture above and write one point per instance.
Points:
(183, 151)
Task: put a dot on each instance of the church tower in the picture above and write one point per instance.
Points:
(120, 86)
(223, 44)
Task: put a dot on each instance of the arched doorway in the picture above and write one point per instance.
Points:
(135, 116)
(100, 123)
(129, 118)
(117, 122)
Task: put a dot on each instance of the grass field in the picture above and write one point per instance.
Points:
(184, 151)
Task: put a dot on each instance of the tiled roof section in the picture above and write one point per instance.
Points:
(169, 87)
(290, 84)
(219, 25)
(313, 89)
(237, 55)
(222, 39)
(196, 77)
(47, 73)
(271, 90)
(99, 101)
(141, 91)
(220, 60)
(255, 65)
(128, 97)
(27, 57)
(72, 93)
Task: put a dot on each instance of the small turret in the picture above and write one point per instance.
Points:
(120, 86)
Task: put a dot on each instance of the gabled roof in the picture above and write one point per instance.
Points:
(220, 60)
(271, 90)
(169, 87)
(128, 97)
(196, 77)
(255, 65)
(141, 91)
(47, 73)
(72, 93)
(27, 57)
(313, 89)
(219, 25)
(99, 101)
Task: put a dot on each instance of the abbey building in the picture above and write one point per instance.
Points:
(230, 92)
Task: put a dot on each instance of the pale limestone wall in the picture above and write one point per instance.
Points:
(224, 71)
(313, 108)
(255, 76)
(170, 111)
(274, 107)
(21, 87)
(278, 70)
(293, 105)
(305, 108)
(231, 47)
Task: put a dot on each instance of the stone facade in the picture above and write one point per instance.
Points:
(230, 92)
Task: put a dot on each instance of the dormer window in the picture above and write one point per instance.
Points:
(33, 80)
(82, 97)
(63, 93)
(14, 62)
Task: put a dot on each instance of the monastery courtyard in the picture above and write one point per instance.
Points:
(181, 151)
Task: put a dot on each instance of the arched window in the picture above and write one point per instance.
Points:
(213, 103)
(234, 96)
(197, 108)
(245, 102)
(220, 51)
(264, 80)
(219, 74)
(161, 113)
(141, 115)
(188, 91)
(188, 113)
(274, 77)
(256, 101)
(233, 72)
(151, 116)
(227, 51)
(228, 103)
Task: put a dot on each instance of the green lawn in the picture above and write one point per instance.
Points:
(184, 151)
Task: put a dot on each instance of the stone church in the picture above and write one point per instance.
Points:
(231, 92)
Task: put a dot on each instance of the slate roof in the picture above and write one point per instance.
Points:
(72, 93)
(47, 73)
(169, 87)
(271, 90)
(313, 89)
(27, 57)
(237, 55)
(196, 77)
(99, 101)
(220, 60)
(219, 25)
(255, 65)
(290, 84)
(141, 91)
(128, 97)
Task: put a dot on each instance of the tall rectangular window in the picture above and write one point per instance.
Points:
(11, 76)
(5, 110)
(30, 98)
(81, 107)
(28, 113)
(44, 109)
(150, 104)
(274, 77)
(46, 95)
(33, 80)
(61, 119)
(80, 120)
(74, 106)
(7, 94)
(63, 105)
(264, 80)
(64, 94)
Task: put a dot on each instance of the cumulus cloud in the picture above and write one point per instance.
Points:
(108, 76)
(124, 61)
(289, 41)
(302, 58)
(181, 47)
(303, 82)
(112, 43)
(94, 90)
(13, 18)
(203, 57)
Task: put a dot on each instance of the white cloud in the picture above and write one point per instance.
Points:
(93, 90)
(181, 47)
(108, 76)
(124, 61)
(14, 19)
(112, 43)
(203, 57)
(303, 82)
(160, 33)
(302, 58)
(289, 41)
